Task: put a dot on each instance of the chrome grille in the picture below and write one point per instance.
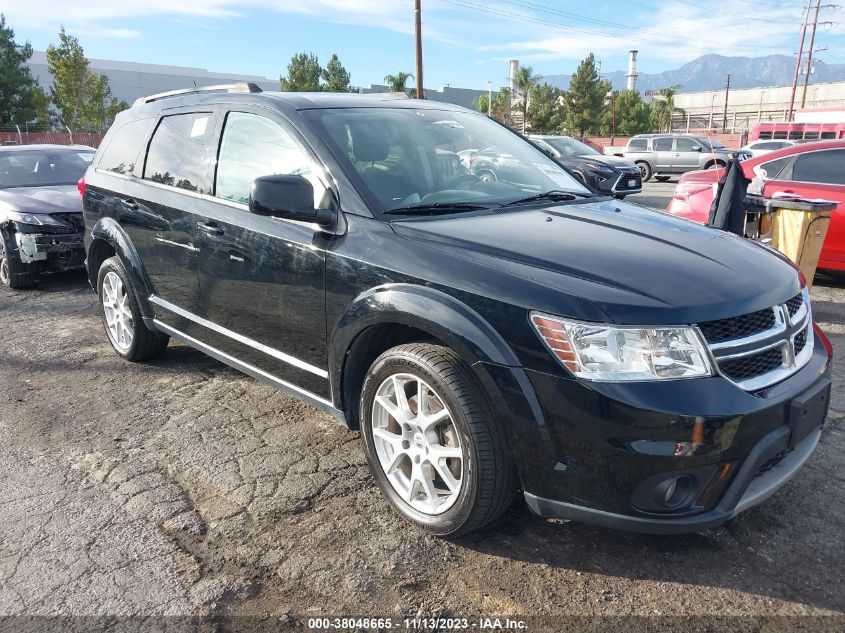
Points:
(754, 365)
(760, 348)
(738, 327)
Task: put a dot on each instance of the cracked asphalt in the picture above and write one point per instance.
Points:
(180, 487)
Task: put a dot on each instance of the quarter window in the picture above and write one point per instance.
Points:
(254, 146)
(121, 153)
(637, 145)
(826, 167)
(773, 167)
(176, 150)
(662, 144)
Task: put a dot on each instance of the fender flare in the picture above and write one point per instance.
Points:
(109, 231)
(427, 309)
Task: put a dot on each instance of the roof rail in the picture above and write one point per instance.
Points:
(239, 87)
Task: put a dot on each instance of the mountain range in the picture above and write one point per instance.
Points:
(708, 72)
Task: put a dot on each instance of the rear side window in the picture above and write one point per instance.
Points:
(125, 145)
(176, 150)
(662, 144)
(638, 145)
(825, 167)
(254, 146)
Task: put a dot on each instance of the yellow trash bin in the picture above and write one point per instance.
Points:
(798, 228)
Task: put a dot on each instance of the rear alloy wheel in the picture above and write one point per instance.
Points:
(122, 317)
(645, 170)
(434, 448)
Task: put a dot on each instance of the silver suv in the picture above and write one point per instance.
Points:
(665, 155)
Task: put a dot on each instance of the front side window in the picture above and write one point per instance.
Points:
(124, 146)
(826, 167)
(254, 146)
(405, 157)
(176, 150)
(43, 168)
(686, 145)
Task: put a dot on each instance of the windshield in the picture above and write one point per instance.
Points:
(406, 158)
(570, 147)
(42, 168)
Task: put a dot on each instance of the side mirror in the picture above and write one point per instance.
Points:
(696, 148)
(289, 197)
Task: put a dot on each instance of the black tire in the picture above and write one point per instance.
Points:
(145, 343)
(662, 178)
(619, 196)
(488, 481)
(717, 164)
(645, 170)
(14, 273)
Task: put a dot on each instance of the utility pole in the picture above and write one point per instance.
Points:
(418, 30)
(798, 64)
(810, 52)
(489, 98)
(725, 114)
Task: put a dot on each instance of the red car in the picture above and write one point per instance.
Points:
(810, 170)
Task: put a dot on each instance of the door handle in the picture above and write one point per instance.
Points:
(210, 228)
(130, 204)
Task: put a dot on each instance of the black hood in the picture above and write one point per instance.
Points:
(639, 266)
(613, 161)
(57, 199)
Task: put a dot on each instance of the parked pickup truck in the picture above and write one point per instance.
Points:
(486, 337)
(666, 155)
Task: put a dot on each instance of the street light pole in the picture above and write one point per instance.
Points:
(418, 30)
(489, 98)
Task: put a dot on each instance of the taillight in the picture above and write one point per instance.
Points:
(686, 189)
(825, 341)
(80, 185)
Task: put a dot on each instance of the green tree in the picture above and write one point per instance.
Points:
(545, 109)
(585, 98)
(524, 82)
(303, 74)
(22, 100)
(481, 103)
(502, 107)
(83, 97)
(397, 82)
(663, 108)
(335, 76)
(633, 115)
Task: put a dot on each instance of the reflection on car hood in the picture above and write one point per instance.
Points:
(636, 264)
(59, 199)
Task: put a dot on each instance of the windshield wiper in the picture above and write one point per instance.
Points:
(556, 195)
(436, 208)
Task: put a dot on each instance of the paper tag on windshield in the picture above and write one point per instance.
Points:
(86, 156)
(558, 176)
(199, 127)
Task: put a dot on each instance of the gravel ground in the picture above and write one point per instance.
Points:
(181, 487)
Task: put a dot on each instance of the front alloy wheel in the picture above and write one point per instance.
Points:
(417, 444)
(433, 445)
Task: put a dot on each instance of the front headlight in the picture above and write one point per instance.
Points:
(38, 219)
(610, 353)
(604, 169)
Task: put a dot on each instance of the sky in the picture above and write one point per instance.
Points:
(466, 42)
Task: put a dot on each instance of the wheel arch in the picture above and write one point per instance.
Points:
(107, 240)
(388, 316)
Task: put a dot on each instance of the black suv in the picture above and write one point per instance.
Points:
(616, 365)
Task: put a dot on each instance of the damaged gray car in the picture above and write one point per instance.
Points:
(41, 225)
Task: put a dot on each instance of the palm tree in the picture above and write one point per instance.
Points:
(524, 82)
(397, 82)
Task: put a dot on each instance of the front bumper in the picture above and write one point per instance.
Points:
(63, 250)
(627, 183)
(587, 451)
